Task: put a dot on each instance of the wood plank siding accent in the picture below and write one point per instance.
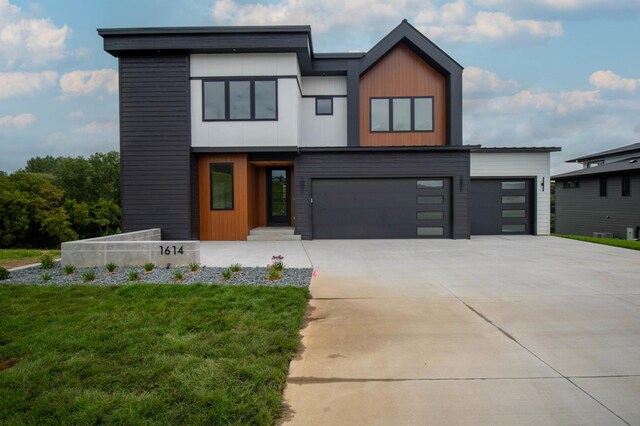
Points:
(226, 225)
(403, 73)
(155, 141)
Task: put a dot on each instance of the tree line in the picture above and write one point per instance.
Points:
(57, 199)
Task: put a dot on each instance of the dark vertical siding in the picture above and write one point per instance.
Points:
(155, 144)
(195, 199)
(581, 211)
(310, 165)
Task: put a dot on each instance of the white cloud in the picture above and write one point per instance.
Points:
(76, 83)
(26, 41)
(25, 83)
(322, 16)
(76, 114)
(21, 120)
(97, 127)
(563, 5)
(527, 100)
(608, 80)
(479, 81)
(492, 27)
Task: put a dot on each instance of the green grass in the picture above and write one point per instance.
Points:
(615, 242)
(24, 255)
(161, 354)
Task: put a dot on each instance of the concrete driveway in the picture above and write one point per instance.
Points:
(494, 330)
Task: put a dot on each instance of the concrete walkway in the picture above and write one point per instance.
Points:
(495, 330)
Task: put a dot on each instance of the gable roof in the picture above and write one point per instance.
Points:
(414, 39)
(611, 152)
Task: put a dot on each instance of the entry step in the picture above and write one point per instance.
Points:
(273, 233)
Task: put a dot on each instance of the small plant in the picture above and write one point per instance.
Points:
(46, 277)
(111, 267)
(277, 263)
(235, 268)
(134, 276)
(226, 274)
(178, 275)
(89, 276)
(46, 261)
(148, 267)
(274, 274)
(4, 273)
(194, 267)
(69, 269)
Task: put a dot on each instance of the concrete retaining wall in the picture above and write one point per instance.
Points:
(130, 249)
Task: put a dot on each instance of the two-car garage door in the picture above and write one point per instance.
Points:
(381, 208)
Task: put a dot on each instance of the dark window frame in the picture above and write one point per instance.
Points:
(329, 98)
(625, 183)
(233, 201)
(412, 114)
(252, 98)
(603, 186)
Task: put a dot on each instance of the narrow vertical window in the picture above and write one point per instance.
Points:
(214, 100)
(603, 186)
(423, 114)
(626, 186)
(239, 100)
(265, 100)
(221, 186)
(379, 115)
(401, 114)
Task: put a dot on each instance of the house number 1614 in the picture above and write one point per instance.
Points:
(168, 250)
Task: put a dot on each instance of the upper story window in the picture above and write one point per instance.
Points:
(324, 106)
(402, 114)
(595, 163)
(241, 99)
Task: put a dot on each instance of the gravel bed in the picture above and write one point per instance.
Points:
(297, 277)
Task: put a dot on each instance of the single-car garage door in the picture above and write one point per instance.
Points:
(502, 206)
(381, 208)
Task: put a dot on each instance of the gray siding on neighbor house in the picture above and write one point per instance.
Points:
(581, 211)
(155, 139)
(382, 164)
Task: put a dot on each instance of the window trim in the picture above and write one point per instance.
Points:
(329, 98)
(412, 114)
(233, 198)
(252, 98)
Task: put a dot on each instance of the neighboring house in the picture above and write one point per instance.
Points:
(603, 196)
(226, 129)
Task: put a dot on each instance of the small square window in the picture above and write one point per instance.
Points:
(324, 106)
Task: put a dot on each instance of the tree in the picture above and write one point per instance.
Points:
(32, 212)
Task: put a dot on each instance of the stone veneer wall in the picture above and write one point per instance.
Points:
(130, 249)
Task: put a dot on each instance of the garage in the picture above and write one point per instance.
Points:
(381, 208)
(502, 206)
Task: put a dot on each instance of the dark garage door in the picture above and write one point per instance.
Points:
(381, 208)
(502, 206)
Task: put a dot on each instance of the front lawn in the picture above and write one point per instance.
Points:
(616, 242)
(10, 258)
(196, 354)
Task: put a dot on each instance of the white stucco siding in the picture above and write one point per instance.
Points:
(283, 132)
(526, 164)
(323, 130)
(324, 86)
(244, 64)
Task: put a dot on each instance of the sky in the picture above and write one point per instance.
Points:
(562, 73)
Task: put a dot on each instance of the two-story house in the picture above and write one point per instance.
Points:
(603, 197)
(228, 129)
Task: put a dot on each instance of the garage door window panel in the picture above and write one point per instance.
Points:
(430, 199)
(430, 231)
(514, 185)
(515, 228)
(514, 213)
(430, 184)
(514, 199)
(436, 215)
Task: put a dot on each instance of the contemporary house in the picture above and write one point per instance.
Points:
(227, 129)
(603, 197)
